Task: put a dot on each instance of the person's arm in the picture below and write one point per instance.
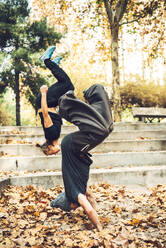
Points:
(44, 107)
(90, 211)
(90, 198)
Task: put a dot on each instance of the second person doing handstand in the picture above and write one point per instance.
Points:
(48, 97)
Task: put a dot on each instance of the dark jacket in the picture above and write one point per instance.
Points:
(94, 120)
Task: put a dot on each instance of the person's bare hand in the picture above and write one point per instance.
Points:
(43, 89)
(52, 150)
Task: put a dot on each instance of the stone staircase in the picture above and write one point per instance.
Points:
(133, 154)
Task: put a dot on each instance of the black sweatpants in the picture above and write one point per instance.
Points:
(95, 123)
(75, 169)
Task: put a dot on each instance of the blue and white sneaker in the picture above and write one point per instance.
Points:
(48, 53)
(57, 60)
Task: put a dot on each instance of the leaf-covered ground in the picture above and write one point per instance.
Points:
(129, 219)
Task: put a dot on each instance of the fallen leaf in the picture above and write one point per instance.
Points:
(43, 216)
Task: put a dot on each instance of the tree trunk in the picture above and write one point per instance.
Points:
(17, 92)
(115, 74)
(122, 57)
(143, 58)
(114, 16)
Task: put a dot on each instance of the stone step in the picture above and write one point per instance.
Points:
(115, 135)
(118, 126)
(3, 183)
(33, 130)
(102, 160)
(145, 176)
(125, 126)
(137, 134)
(104, 147)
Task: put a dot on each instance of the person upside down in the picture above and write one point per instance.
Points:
(94, 121)
(47, 102)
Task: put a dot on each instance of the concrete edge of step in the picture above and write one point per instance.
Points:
(93, 154)
(105, 141)
(107, 161)
(4, 182)
(142, 177)
(98, 171)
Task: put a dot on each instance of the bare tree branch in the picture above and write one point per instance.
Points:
(159, 40)
(144, 13)
(120, 9)
(134, 20)
(108, 7)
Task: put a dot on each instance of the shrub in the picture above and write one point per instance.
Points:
(142, 94)
(5, 117)
(162, 96)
